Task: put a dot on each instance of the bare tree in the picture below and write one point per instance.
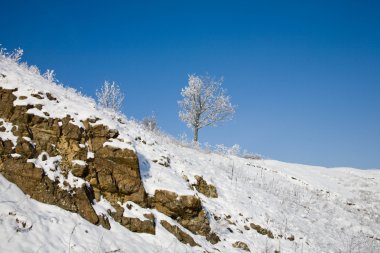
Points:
(110, 96)
(204, 103)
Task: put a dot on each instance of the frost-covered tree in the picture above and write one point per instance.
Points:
(110, 96)
(204, 103)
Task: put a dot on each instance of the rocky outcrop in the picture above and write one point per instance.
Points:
(32, 181)
(134, 224)
(186, 210)
(115, 174)
(241, 245)
(112, 172)
(179, 234)
(98, 134)
(206, 189)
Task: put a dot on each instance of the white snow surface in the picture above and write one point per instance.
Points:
(7, 133)
(325, 209)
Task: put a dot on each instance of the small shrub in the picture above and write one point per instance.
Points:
(16, 55)
(234, 150)
(49, 75)
(110, 96)
(34, 69)
(252, 156)
(150, 123)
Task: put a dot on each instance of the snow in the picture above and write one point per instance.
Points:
(134, 211)
(52, 229)
(79, 162)
(117, 143)
(102, 206)
(326, 209)
(7, 134)
(90, 155)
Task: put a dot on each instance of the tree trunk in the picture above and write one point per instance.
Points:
(196, 134)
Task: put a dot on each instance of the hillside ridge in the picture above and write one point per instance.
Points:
(91, 179)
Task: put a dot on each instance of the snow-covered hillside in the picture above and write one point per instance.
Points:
(261, 205)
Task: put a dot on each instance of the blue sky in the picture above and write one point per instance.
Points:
(304, 74)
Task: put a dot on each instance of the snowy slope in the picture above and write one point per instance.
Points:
(307, 208)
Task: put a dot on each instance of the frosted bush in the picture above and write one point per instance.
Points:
(34, 69)
(150, 122)
(110, 96)
(49, 75)
(16, 54)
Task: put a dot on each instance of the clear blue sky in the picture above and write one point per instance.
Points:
(305, 76)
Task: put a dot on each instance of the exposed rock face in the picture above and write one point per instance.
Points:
(187, 210)
(241, 245)
(98, 134)
(203, 187)
(178, 233)
(134, 224)
(5, 147)
(32, 181)
(114, 173)
(6, 100)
